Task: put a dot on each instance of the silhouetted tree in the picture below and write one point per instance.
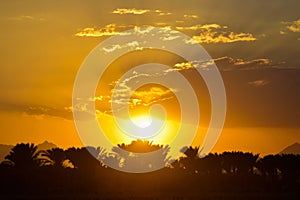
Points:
(54, 157)
(134, 155)
(190, 161)
(24, 156)
(85, 158)
(289, 167)
(237, 162)
(269, 166)
(210, 164)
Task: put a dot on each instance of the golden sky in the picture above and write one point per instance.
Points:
(255, 45)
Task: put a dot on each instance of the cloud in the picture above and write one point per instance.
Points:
(191, 16)
(170, 37)
(134, 11)
(144, 97)
(190, 65)
(215, 33)
(151, 96)
(113, 29)
(294, 26)
(26, 18)
(38, 111)
(258, 83)
(161, 13)
(123, 91)
(183, 65)
(134, 44)
(108, 30)
(209, 33)
(282, 33)
(227, 64)
(198, 27)
(42, 111)
(215, 37)
(262, 61)
(161, 24)
(124, 95)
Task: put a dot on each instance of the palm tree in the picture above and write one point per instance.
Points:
(54, 157)
(190, 161)
(247, 162)
(84, 158)
(24, 156)
(210, 164)
(237, 162)
(142, 154)
(269, 166)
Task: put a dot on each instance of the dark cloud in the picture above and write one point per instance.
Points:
(37, 110)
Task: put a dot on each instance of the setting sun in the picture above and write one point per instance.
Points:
(142, 121)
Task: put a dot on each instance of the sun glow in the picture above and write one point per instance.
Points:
(117, 136)
(142, 121)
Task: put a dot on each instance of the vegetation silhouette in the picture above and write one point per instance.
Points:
(24, 156)
(133, 155)
(55, 157)
(80, 173)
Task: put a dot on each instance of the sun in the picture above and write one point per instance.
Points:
(142, 121)
(148, 126)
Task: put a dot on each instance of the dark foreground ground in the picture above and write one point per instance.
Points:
(49, 183)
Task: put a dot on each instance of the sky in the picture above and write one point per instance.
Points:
(255, 45)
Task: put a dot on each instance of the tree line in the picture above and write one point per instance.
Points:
(77, 171)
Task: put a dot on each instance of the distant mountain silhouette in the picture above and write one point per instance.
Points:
(292, 149)
(46, 145)
(5, 149)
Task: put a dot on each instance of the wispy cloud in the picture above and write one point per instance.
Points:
(262, 61)
(258, 83)
(134, 44)
(108, 30)
(153, 95)
(209, 33)
(26, 18)
(290, 27)
(124, 95)
(215, 33)
(134, 11)
(198, 27)
(38, 111)
(191, 16)
(43, 111)
(294, 26)
(216, 37)
(190, 65)
(227, 64)
(161, 13)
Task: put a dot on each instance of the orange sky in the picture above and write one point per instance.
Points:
(44, 44)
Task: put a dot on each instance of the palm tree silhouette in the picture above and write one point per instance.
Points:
(130, 155)
(238, 163)
(210, 164)
(190, 161)
(24, 156)
(84, 158)
(269, 166)
(54, 157)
